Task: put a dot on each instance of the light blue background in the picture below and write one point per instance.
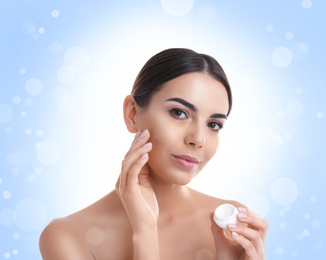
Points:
(67, 65)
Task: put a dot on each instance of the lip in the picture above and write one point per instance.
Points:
(186, 161)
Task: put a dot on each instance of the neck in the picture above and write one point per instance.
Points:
(170, 197)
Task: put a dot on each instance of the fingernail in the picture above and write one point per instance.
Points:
(232, 226)
(147, 145)
(242, 215)
(235, 234)
(241, 209)
(144, 133)
(144, 156)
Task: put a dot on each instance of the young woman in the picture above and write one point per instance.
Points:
(179, 103)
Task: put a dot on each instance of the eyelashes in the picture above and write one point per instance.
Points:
(181, 114)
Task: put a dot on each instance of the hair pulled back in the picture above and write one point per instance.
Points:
(170, 64)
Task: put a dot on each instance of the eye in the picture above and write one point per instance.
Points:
(178, 113)
(215, 126)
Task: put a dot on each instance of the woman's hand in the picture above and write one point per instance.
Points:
(134, 188)
(248, 237)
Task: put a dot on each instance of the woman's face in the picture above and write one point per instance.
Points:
(183, 119)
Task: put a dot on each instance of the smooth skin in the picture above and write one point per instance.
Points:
(152, 214)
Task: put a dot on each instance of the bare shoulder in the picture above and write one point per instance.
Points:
(62, 239)
(210, 203)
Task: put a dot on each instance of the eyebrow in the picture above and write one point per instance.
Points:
(193, 108)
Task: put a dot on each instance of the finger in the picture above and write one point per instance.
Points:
(140, 139)
(250, 234)
(132, 180)
(246, 244)
(129, 161)
(254, 221)
(219, 235)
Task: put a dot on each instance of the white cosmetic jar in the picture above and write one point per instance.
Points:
(225, 214)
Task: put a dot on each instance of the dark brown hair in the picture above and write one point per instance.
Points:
(170, 64)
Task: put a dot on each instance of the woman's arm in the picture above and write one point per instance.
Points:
(138, 199)
(60, 240)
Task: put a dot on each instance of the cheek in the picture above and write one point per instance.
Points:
(212, 146)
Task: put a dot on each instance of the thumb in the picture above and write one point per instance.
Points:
(218, 233)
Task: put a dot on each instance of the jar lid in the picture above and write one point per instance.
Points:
(225, 214)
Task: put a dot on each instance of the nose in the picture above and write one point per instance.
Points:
(195, 136)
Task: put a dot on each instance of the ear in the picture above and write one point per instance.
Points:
(129, 113)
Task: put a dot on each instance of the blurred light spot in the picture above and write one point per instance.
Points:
(6, 255)
(23, 114)
(22, 71)
(7, 217)
(56, 47)
(282, 212)
(35, 36)
(29, 101)
(15, 170)
(284, 191)
(177, 7)
(34, 87)
(30, 214)
(287, 207)
(315, 223)
(49, 152)
(8, 130)
(28, 26)
(269, 28)
(305, 232)
(55, 13)
(279, 250)
(39, 132)
(268, 130)
(319, 245)
(16, 100)
(288, 36)
(207, 13)
(38, 170)
(303, 46)
(31, 178)
(0, 181)
(41, 30)
(281, 57)
(15, 252)
(294, 254)
(95, 235)
(6, 113)
(12, 158)
(313, 199)
(6, 194)
(320, 115)
(297, 52)
(306, 4)
(306, 216)
(28, 131)
(283, 225)
(38, 145)
(278, 139)
(65, 75)
(204, 254)
(294, 108)
(67, 105)
(303, 148)
(16, 235)
(260, 205)
(77, 59)
(280, 113)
